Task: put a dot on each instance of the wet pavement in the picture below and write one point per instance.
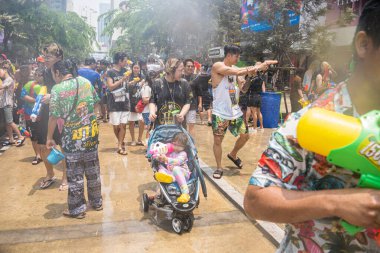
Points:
(31, 219)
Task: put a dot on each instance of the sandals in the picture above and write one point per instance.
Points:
(236, 161)
(139, 143)
(75, 216)
(122, 151)
(218, 173)
(8, 143)
(133, 143)
(63, 187)
(36, 160)
(19, 142)
(47, 182)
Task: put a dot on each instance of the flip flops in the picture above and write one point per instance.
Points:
(19, 143)
(47, 182)
(7, 143)
(139, 143)
(36, 160)
(236, 161)
(63, 187)
(218, 173)
(122, 152)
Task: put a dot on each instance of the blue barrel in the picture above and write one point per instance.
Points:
(270, 108)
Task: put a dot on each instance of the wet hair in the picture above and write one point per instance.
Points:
(118, 57)
(181, 138)
(89, 61)
(66, 67)
(232, 49)
(53, 49)
(171, 65)
(188, 60)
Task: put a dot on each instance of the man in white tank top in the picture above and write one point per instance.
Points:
(226, 113)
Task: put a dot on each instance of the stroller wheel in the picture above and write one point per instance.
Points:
(189, 222)
(145, 202)
(177, 225)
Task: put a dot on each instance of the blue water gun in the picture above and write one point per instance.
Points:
(37, 106)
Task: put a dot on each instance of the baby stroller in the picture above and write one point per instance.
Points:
(180, 214)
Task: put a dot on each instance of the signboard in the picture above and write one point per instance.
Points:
(216, 53)
(250, 12)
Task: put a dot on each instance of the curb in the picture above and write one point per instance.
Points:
(271, 230)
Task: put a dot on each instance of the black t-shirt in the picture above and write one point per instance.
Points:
(194, 88)
(134, 91)
(170, 98)
(204, 86)
(117, 106)
(256, 85)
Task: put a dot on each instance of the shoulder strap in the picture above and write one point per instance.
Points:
(75, 100)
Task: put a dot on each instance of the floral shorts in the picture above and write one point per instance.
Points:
(236, 126)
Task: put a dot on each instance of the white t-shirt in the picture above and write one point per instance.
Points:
(146, 91)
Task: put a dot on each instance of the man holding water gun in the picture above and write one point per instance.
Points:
(303, 189)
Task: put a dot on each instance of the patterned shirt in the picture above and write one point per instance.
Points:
(285, 164)
(7, 93)
(80, 131)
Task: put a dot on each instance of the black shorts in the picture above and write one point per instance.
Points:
(104, 99)
(207, 105)
(254, 100)
(34, 129)
(43, 126)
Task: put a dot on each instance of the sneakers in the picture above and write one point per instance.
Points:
(184, 198)
(163, 178)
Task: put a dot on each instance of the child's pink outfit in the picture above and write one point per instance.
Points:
(177, 168)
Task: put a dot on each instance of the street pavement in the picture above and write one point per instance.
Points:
(31, 219)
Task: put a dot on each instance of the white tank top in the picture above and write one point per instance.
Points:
(226, 99)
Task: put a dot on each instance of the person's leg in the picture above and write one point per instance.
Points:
(254, 116)
(260, 116)
(116, 130)
(180, 177)
(238, 128)
(190, 127)
(37, 149)
(217, 148)
(122, 131)
(141, 130)
(247, 116)
(209, 113)
(92, 172)
(10, 133)
(75, 177)
(132, 131)
(49, 168)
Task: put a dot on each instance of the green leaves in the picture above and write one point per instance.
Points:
(30, 25)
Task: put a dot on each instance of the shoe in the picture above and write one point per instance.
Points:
(184, 198)
(98, 208)
(133, 143)
(76, 216)
(163, 178)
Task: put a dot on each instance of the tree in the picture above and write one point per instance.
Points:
(282, 39)
(170, 28)
(29, 25)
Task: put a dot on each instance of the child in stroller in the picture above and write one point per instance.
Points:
(166, 202)
(176, 166)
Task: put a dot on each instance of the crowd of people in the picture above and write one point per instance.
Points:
(62, 102)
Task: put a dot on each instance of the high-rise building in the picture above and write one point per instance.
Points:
(58, 5)
(103, 40)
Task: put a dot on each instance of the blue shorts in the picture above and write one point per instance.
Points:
(146, 118)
